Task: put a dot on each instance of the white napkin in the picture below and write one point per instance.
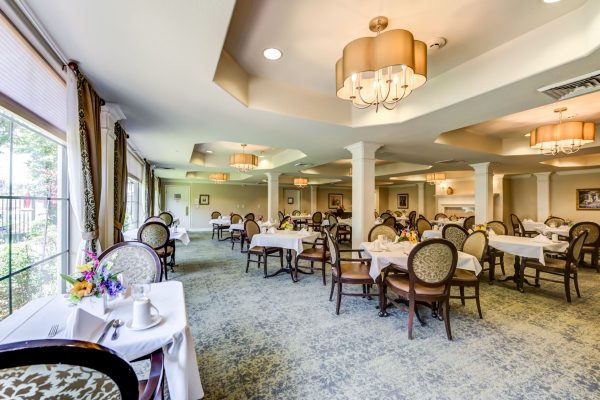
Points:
(491, 232)
(541, 239)
(82, 325)
(527, 220)
(303, 230)
(272, 230)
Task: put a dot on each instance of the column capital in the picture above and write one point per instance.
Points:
(363, 149)
(272, 175)
(482, 168)
(541, 176)
(113, 112)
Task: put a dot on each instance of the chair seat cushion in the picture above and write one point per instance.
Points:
(400, 283)
(262, 249)
(460, 275)
(313, 253)
(353, 270)
(161, 251)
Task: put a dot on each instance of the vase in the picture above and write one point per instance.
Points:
(97, 306)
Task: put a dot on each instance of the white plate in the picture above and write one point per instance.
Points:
(156, 320)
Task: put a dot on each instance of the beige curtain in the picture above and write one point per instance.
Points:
(120, 183)
(149, 189)
(89, 141)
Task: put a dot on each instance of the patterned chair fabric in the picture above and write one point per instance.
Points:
(154, 234)
(390, 221)
(592, 228)
(280, 215)
(332, 219)
(251, 228)
(498, 227)
(215, 215)
(455, 234)
(556, 221)
(476, 244)
(154, 219)
(167, 217)
(433, 262)
(423, 225)
(469, 222)
(137, 262)
(382, 229)
(440, 216)
(317, 217)
(385, 215)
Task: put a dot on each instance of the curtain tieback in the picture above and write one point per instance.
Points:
(118, 226)
(92, 235)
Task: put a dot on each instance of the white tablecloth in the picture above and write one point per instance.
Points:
(442, 222)
(432, 234)
(173, 334)
(347, 222)
(548, 231)
(398, 255)
(533, 225)
(303, 216)
(240, 226)
(220, 221)
(291, 240)
(524, 246)
(181, 235)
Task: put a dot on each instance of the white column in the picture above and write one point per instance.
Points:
(273, 194)
(109, 115)
(484, 193)
(543, 195)
(363, 189)
(313, 199)
(420, 198)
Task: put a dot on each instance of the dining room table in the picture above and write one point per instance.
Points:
(431, 234)
(562, 231)
(341, 221)
(172, 334)
(523, 248)
(175, 233)
(221, 222)
(285, 239)
(446, 221)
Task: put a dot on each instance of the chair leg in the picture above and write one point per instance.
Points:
(323, 272)
(411, 317)
(595, 256)
(477, 300)
(502, 264)
(339, 298)
(165, 265)
(332, 288)
(537, 277)
(266, 258)
(576, 282)
(295, 271)
(446, 305)
(568, 287)
(281, 257)
(248, 262)
(462, 295)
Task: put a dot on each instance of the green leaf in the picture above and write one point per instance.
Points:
(68, 278)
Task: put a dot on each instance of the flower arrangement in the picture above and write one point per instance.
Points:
(288, 225)
(481, 227)
(407, 235)
(94, 279)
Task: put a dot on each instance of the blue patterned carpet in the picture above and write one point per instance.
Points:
(262, 338)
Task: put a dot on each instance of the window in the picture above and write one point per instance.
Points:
(132, 210)
(34, 209)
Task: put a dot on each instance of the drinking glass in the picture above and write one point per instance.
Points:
(139, 291)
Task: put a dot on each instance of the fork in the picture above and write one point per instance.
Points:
(53, 331)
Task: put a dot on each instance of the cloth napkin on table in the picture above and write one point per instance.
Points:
(82, 325)
(272, 229)
(303, 230)
(541, 239)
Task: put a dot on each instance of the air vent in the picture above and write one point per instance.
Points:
(449, 162)
(164, 168)
(573, 87)
(302, 164)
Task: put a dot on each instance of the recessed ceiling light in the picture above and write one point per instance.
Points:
(527, 134)
(208, 151)
(272, 54)
(551, 1)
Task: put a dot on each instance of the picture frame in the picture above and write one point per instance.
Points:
(402, 201)
(335, 200)
(204, 199)
(290, 200)
(588, 199)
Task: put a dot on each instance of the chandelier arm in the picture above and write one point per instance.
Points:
(370, 103)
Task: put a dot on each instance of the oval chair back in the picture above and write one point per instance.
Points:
(215, 215)
(284, 221)
(593, 230)
(440, 216)
(423, 225)
(432, 263)
(333, 229)
(455, 234)
(137, 262)
(382, 229)
(154, 219)
(385, 215)
(280, 215)
(236, 218)
(476, 244)
(334, 252)
(557, 221)
(167, 217)
(517, 226)
(332, 219)
(251, 228)
(389, 221)
(154, 234)
(249, 216)
(574, 253)
(317, 217)
(295, 212)
(469, 222)
(498, 227)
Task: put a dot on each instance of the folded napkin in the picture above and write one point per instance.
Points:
(303, 230)
(527, 220)
(272, 230)
(82, 325)
(541, 239)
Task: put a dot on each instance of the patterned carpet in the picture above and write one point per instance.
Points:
(262, 338)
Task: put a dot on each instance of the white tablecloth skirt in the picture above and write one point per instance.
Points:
(220, 221)
(524, 246)
(291, 240)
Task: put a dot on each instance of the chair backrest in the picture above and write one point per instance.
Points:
(476, 244)
(236, 218)
(137, 262)
(154, 234)
(376, 214)
(167, 217)
(382, 229)
(317, 217)
(332, 219)
(280, 215)
(453, 218)
(455, 234)
(295, 212)
(44, 369)
(469, 222)
(215, 215)
(412, 216)
(498, 227)
(576, 244)
(389, 221)
(154, 219)
(593, 230)
(432, 263)
(251, 228)
(249, 216)
(440, 216)
(284, 221)
(423, 225)
(557, 221)
(517, 226)
(333, 229)
(334, 252)
(385, 215)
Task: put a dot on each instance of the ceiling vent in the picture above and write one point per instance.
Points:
(577, 86)
(449, 162)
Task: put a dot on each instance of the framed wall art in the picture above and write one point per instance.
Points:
(588, 199)
(402, 200)
(204, 199)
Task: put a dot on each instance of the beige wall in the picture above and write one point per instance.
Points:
(523, 202)
(430, 202)
(322, 195)
(563, 196)
(412, 192)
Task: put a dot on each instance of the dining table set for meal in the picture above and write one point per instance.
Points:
(447, 221)
(148, 318)
(175, 233)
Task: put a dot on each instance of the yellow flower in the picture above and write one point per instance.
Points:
(82, 289)
(84, 267)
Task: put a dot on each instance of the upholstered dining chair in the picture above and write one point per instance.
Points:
(385, 215)
(167, 217)
(137, 261)
(316, 221)
(156, 235)
(347, 271)
(440, 216)
(296, 212)
(519, 229)
(344, 233)
(262, 253)
(469, 222)
(556, 221)
(332, 219)
(592, 242)
(382, 229)
(431, 265)
(236, 236)
(567, 269)
(154, 219)
(280, 215)
(316, 253)
(493, 254)
(249, 216)
(389, 221)
(60, 368)
(423, 225)
(476, 245)
(412, 217)
(455, 234)
(215, 229)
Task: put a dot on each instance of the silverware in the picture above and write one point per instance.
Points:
(105, 331)
(116, 324)
(53, 331)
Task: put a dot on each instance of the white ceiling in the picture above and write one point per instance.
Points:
(157, 61)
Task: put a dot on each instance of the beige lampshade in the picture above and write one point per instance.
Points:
(243, 161)
(565, 134)
(300, 182)
(218, 177)
(436, 177)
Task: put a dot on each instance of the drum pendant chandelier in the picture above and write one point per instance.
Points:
(436, 178)
(218, 177)
(567, 137)
(381, 70)
(243, 162)
(300, 182)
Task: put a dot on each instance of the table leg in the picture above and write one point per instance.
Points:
(287, 269)
(517, 275)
